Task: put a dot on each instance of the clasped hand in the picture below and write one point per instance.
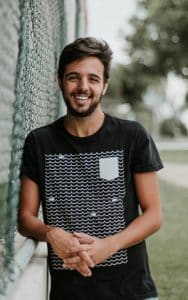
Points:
(79, 251)
(97, 251)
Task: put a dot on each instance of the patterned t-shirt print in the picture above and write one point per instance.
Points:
(85, 192)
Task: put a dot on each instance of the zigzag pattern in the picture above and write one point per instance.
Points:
(77, 199)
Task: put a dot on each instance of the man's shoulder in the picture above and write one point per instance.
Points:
(47, 129)
(128, 125)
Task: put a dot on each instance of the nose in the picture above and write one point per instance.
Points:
(83, 84)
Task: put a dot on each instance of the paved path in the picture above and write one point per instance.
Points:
(175, 173)
(175, 144)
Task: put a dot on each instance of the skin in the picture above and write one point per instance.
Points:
(83, 86)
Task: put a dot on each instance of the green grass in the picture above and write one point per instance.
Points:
(168, 248)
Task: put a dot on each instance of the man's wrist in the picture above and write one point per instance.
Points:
(112, 244)
(49, 230)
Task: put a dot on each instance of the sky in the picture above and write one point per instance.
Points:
(106, 18)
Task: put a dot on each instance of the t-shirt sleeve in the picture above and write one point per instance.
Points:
(29, 166)
(145, 154)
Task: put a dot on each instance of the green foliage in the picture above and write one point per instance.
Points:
(126, 83)
(172, 127)
(115, 84)
(159, 40)
(136, 77)
(157, 45)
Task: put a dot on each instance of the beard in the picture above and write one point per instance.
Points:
(86, 113)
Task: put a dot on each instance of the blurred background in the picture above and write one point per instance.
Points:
(150, 67)
(149, 83)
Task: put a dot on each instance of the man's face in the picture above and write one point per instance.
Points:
(83, 86)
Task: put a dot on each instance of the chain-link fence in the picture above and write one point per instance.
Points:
(9, 32)
(33, 32)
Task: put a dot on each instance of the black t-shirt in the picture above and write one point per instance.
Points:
(86, 185)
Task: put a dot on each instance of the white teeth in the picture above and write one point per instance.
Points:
(81, 97)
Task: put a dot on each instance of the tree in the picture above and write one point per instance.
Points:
(158, 43)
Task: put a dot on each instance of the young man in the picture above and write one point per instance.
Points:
(91, 172)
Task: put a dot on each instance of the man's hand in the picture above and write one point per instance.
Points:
(98, 251)
(66, 245)
(63, 243)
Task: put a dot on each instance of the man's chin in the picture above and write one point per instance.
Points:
(82, 114)
(79, 114)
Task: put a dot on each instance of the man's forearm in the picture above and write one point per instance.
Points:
(63, 243)
(137, 231)
(33, 227)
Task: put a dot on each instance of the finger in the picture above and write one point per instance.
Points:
(80, 271)
(73, 249)
(84, 238)
(83, 235)
(72, 260)
(83, 269)
(73, 245)
(65, 266)
(70, 266)
(85, 247)
(86, 258)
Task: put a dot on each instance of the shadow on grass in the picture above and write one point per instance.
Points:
(168, 248)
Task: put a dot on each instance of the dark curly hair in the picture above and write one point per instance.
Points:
(85, 47)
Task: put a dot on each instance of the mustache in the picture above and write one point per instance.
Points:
(81, 93)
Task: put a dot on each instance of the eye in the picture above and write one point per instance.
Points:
(73, 77)
(94, 79)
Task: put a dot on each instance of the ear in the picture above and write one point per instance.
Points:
(105, 88)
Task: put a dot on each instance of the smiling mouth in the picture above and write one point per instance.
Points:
(81, 97)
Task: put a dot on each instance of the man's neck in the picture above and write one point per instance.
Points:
(84, 126)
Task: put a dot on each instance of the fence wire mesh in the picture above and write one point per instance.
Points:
(33, 32)
(9, 32)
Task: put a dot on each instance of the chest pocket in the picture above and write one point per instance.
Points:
(108, 168)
